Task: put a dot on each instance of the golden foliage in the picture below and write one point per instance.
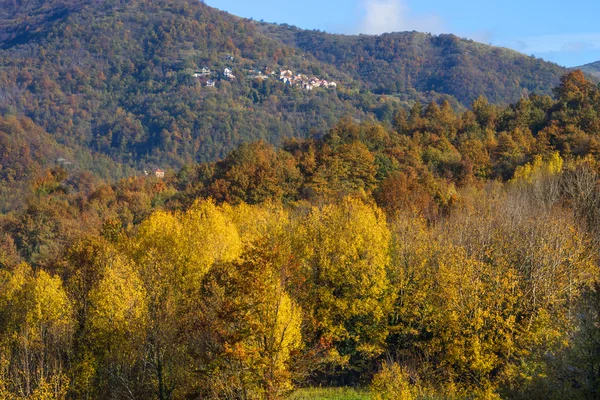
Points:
(343, 254)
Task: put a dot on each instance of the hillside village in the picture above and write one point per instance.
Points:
(303, 81)
(209, 77)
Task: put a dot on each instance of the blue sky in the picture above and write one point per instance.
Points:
(565, 32)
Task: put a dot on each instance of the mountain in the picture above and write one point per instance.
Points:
(117, 77)
(592, 69)
(412, 61)
(123, 78)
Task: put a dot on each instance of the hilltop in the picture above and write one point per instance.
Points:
(414, 62)
(592, 69)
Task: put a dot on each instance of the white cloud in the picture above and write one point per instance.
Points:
(571, 43)
(382, 16)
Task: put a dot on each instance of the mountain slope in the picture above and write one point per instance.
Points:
(592, 69)
(413, 61)
(26, 151)
(117, 77)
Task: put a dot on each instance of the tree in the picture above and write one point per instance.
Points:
(35, 334)
(574, 88)
(173, 252)
(343, 254)
(244, 327)
(349, 170)
(116, 328)
(244, 330)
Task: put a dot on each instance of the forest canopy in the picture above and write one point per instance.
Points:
(449, 255)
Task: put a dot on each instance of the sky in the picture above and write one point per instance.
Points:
(564, 32)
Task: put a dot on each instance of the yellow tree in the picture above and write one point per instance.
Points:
(173, 252)
(35, 334)
(475, 325)
(116, 328)
(244, 326)
(342, 251)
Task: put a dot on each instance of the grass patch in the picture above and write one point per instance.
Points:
(330, 394)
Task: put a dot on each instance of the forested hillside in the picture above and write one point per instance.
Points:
(123, 78)
(592, 69)
(408, 63)
(117, 77)
(398, 214)
(26, 151)
(451, 255)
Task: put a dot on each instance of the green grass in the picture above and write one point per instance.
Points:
(330, 394)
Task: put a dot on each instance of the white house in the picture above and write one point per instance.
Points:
(210, 83)
(203, 73)
(228, 73)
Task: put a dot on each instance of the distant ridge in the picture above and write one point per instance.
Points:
(406, 62)
(591, 69)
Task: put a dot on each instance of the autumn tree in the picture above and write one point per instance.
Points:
(343, 253)
(173, 253)
(36, 327)
(116, 327)
(245, 328)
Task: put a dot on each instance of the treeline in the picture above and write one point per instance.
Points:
(451, 255)
(420, 161)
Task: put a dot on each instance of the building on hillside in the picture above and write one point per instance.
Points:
(210, 83)
(228, 73)
(203, 73)
(159, 173)
(285, 73)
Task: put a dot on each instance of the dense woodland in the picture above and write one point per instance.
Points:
(408, 63)
(428, 230)
(451, 255)
(116, 77)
